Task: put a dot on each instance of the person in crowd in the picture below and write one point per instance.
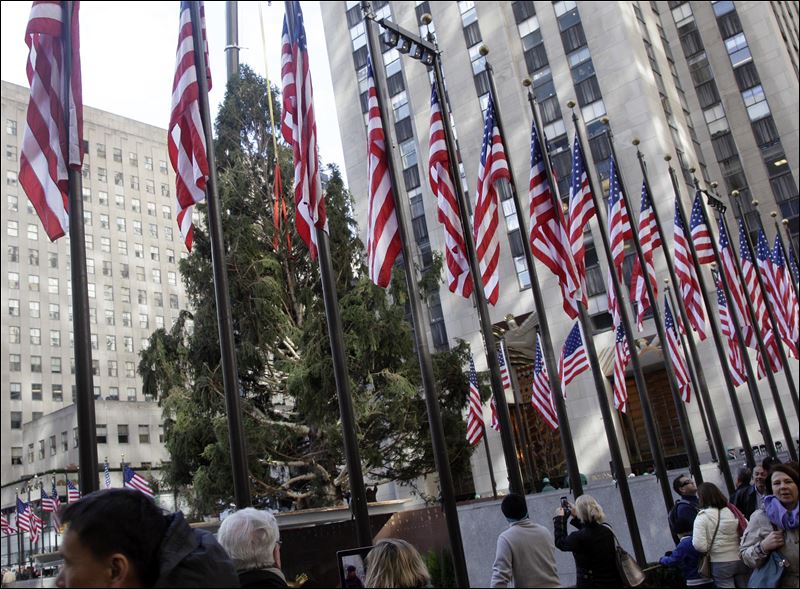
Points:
(749, 497)
(776, 526)
(715, 531)
(686, 558)
(682, 514)
(252, 539)
(351, 581)
(592, 546)
(546, 486)
(395, 563)
(525, 551)
(9, 576)
(121, 538)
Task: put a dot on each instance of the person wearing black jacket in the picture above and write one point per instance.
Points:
(252, 539)
(592, 546)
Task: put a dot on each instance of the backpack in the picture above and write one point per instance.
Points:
(673, 514)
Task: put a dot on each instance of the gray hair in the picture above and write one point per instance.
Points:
(249, 537)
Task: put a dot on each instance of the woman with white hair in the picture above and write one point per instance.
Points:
(252, 540)
(592, 546)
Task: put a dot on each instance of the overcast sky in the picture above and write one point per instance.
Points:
(128, 56)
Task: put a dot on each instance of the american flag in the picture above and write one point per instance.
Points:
(736, 293)
(135, 481)
(106, 474)
(73, 494)
(650, 239)
(542, 397)
(679, 367)
(687, 278)
(299, 128)
(37, 525)
(46, 150)
(505, 377)
(581, 208)
(778, 292)
(793, 270)
(621, 358)
(786, 291)
(573, 359)
(7, 527)
(735, 359)
(493, 167)
(456, 264)
(495, 421)
(186, 138)
(56, 498)
(619, 224)
(383, 235)
(475, 412)
(548, 237)
(24, 514)
(48, 505)
(701, 235)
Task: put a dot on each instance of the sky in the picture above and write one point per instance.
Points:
(128, 57)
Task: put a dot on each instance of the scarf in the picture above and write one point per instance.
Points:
(779, 516)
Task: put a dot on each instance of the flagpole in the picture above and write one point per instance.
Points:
(564, 429)
(641, 385)
(718, 342)
(230, 375)
(701, 386)
(785, 223)
(20, 542)
(504, 416)
(617, 463)
(658, 319)
(420, 333)
(785, 251)
(489, 459)
(522, 427)
(758, 404)
(232, 38)
(54, 515)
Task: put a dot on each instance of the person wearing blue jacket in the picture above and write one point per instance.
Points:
(686, 558)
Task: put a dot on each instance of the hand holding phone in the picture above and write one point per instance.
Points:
(565, 503)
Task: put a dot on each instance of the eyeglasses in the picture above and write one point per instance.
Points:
(684, 483)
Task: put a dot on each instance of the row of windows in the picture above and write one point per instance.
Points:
(15, 362)
(32, 232)
(119, 180)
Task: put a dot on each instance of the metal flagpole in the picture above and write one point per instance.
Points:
(698, 373)
(758, 405)
(641, 385)
(420, 333)
(84, 394)
(489, 460)
(715, 332)
(658, 319)
(792, 247)
(617, 464)
(232, 38)
(230, 375)
(564, 429)
(20, 542)
(509, 451)
(784, 249)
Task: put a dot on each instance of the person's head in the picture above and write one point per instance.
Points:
(250, 537)
(395, 563)
(760, 479)
(783, 484)
(743, 476)
(351, 571)
(514, 507)
(684, 485)
(709, 495)
(588, 510)
(112, 539)
(769, 462)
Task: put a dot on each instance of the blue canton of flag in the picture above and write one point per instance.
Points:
(135, 481)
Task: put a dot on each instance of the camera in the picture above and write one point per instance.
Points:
(565, 506)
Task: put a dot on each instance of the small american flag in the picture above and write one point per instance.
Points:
(383, 234)
(37, 525)
(581, 208)
(701, 236)
(679, 367)
(737, 369)
(475, 413)
(135, 481)
(7, 527)
(505, 377)
(650, 239)
(56, 499)
(542, 397)
(619, 225)
(46, 148)
(23, 516)
(73, 494)
(456, 264)
(48, 506)
(573, 359)
(786, 291)
(495, 420)
(106, 474)
(736, 293)
(186, 138)
(777, 293)
(687, 278)
(493, 167)
(621, 358)
(548, 232)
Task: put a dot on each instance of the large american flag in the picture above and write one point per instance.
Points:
(495, 421)
(573, 359)
(186, 140)
(650, 239)
(383, 235)
(548, 231)
(735, 360)
(456, 264)
(135, 481)
(48, 504)
(24, 513)
(542, 397)
(299, 128)
(786, 291)
(73, 494)
(701, 235)
(502, 360)
(581, 208)
(7, 527)
(46, 148)
(621, 358)
(735, 286)
(679, 366)
(493, 167)
(475, 412)
(687, 278)
(783, 309)
(619, 224)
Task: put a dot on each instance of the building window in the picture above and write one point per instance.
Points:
(101, 433)
(64, 442)
(13, 253)
(16, 419)
(36, 336)
(11, 127)
(36, 364)
(14, 362)
(14, 334)
(58, 396)
(130, 370)
(15, 391)
(111, 344)
(144, 434)
(36, 391)
(122, 433)
(162, 166)
(53, 447)
(148, 163)
(16, 456)
(13, 307)
(13, 280)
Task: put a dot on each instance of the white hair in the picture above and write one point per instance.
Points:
(249, 537)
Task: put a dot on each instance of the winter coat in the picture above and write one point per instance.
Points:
(724, 547)
(269, 578)
(746, 499)
(753, 556)
(686, 558)
(525, 553)
(594, 550)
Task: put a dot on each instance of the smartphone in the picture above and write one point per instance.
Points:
(352, 566)
(564, 503)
